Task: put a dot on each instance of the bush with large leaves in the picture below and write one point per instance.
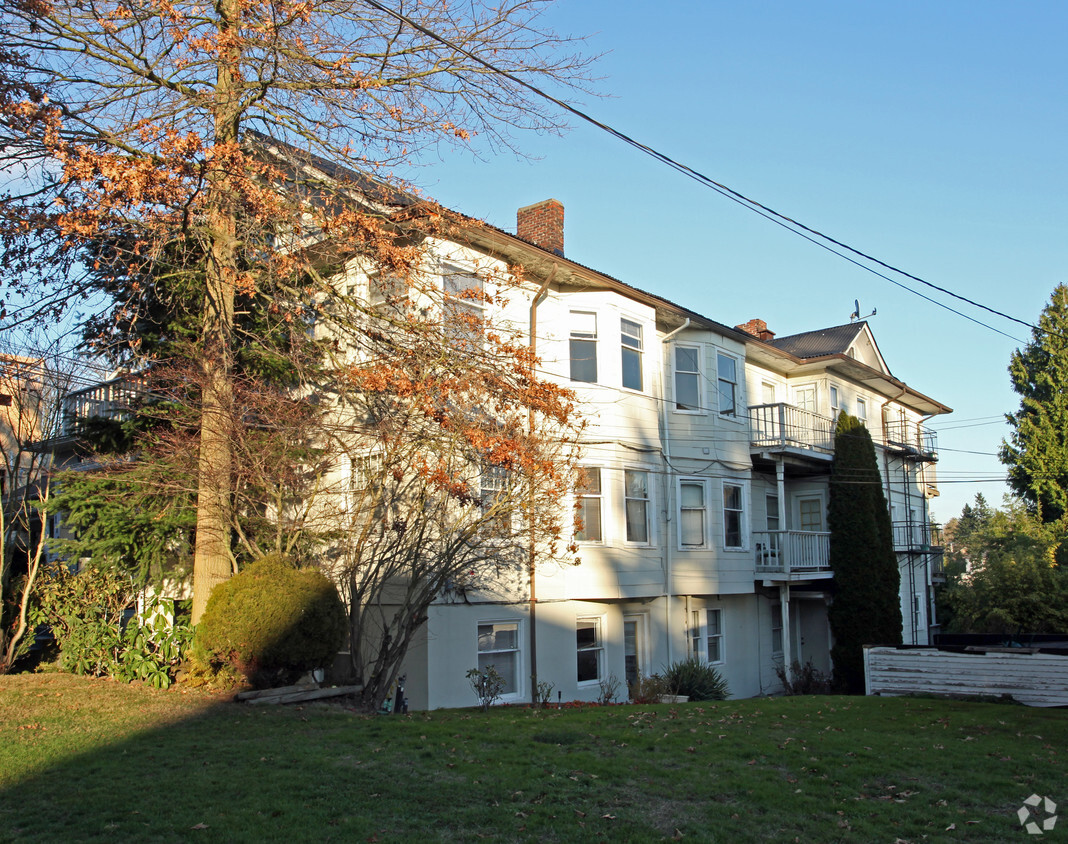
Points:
(272, 621)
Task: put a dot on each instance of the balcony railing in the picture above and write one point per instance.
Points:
(911, 437)
(108, 400)
(780, 426)
(914, 536)
(792, 551)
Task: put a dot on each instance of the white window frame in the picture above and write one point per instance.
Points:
(714, 633)
(818, 497)
(453, 302)
(811, 390)
(493, 483)
(776, 630)
(836, 400)
(736, 392)
(517, 651)
(635, 346)
(743, 494)
(694, 373)
(681, 509)
(596, 648)
(581, 334)
(582, 495)
(862, 409)
(648, 504)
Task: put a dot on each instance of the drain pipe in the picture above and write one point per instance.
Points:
(538, 297)
(666, 451)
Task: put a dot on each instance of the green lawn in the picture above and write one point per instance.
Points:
(85, 760)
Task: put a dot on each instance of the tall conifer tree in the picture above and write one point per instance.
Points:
(866, 608)
(1036, 452)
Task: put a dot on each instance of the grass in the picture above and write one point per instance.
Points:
(85, 760)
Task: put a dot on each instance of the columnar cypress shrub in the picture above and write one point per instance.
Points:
(866, 607)
(272, 621)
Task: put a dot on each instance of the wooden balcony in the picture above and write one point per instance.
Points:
(108, 400)
(785, 429)
(792, 554)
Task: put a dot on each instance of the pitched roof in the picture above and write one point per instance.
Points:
(824, 341)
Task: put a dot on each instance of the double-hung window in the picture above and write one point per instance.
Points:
(714, 635)
(862, 410)
(498, 648)
(631, 340)
(495, 484)
(584, 347)
(464, 309)
(636, 505)
(733, 516)
(727, 379)
(836, 402)
(589, 649)
(687, 378)
(589, 506)
(692, 510)
(776, 628)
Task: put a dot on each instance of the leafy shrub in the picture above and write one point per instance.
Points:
(696, 679)
(648, 689)
(86, 613)
(272, 622)
(806, 680)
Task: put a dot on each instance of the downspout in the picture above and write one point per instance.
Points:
(530, 497)
(666, 450)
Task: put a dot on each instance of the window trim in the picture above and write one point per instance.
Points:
(450, 301)
(834, 393)
(699, 407)
(862, 402)
(679, 508)
(517, 650)
(638, 350)
(719, 636)
(736, 393)
(598, 647)
(776, 626)
(649, 534)
(743, 487)
(580, 497)
(582, 337)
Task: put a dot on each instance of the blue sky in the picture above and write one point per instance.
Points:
(930, 135)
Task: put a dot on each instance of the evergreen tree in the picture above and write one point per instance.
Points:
(866, 608)
(1036, 452)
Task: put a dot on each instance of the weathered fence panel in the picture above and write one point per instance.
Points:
(1028, 675)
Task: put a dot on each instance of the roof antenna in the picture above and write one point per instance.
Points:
(853, 317)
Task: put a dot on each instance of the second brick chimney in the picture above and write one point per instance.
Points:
(758, 328)
(542, 223)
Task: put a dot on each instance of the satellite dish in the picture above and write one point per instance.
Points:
(856, 311)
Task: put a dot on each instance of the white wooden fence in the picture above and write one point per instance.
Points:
(1027, 675)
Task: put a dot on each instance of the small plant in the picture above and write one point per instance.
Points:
(696, 679)
(609, 690)
(544, 693)
(488, 686)
(806, 679)
(648, 689)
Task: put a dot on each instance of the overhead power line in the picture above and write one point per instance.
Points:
(813, 235)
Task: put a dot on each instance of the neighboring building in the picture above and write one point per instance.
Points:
(707, 460)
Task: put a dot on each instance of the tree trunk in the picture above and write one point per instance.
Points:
(212, 559)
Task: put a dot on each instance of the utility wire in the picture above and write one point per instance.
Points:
(808, 233)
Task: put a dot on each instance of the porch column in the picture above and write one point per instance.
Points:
(787, 645)
(781, 540)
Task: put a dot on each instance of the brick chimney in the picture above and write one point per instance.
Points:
(758, 328)
(542, 223)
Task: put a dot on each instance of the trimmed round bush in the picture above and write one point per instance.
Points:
(272, 622)
(696, 679)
